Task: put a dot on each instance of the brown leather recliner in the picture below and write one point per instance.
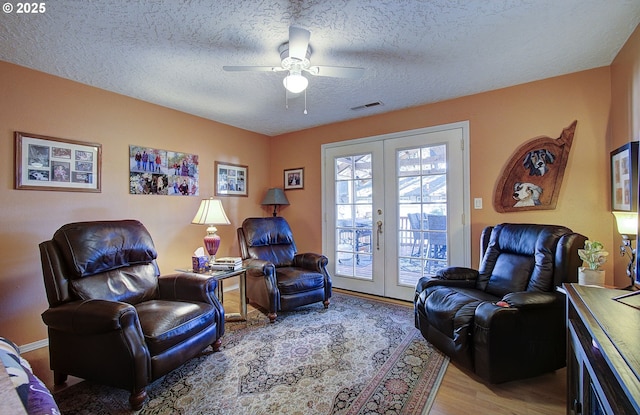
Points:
(278, 277)
(505, 321)
(112, 318)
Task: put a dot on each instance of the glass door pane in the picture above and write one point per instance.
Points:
(354, 216)
(424, 204)
(422, 211)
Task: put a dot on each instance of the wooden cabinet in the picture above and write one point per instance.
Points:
(603, 359)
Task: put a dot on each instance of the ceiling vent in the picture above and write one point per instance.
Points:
(365, 106)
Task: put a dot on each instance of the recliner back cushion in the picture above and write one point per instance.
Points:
(109, 260)
(510, 274)
(132, 285)
(269, 239)
(89, 248)
(520, 257)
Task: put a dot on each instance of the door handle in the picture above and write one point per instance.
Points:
(379, 223)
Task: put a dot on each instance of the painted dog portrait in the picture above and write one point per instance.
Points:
(537, 161)
(526, 194)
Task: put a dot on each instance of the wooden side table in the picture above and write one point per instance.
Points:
(220, 276)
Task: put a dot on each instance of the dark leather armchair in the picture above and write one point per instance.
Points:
(112, 319)
(278, 277)
(505, 321)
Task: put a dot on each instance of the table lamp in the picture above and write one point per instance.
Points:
(275, 197)
(628, 227)
(211, 213)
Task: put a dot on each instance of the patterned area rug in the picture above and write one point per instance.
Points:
(360, 356)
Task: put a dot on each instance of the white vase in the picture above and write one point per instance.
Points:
(587, 276)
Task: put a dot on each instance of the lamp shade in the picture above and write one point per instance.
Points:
(275, 197)
(211, 213)
(627, 223)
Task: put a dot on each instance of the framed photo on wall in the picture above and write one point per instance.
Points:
(624, 178)
(154, 171)
(231, 179)
(49, 163)
(294, 178)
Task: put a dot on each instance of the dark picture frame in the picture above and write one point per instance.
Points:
(294, 178)
(50, 163)
(624, 178)
(231, 179)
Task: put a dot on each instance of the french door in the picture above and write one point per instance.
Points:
(395, 208)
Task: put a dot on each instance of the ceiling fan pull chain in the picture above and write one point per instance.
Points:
(305, 102)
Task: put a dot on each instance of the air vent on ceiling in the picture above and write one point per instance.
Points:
(369, 105)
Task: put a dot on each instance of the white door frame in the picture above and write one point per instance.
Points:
(465, 220)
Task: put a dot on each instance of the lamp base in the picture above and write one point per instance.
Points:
(627, 249)
(212, 243)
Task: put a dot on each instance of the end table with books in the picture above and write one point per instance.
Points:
(224, 272)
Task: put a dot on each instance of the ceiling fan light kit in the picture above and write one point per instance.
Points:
(295, 82)
(294, 57)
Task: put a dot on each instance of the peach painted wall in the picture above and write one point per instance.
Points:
(625, 119)
(42, 104)
(499, 122)
(625, 90)
(603, 100)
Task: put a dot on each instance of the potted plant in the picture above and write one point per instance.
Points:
(594, 255)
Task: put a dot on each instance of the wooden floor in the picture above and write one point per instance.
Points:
(460, 393)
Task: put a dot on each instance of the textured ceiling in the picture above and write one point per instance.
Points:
(415, 52)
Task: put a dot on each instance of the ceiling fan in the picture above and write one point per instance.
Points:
(294, 56)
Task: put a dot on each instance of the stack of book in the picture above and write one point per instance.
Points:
(227, 264)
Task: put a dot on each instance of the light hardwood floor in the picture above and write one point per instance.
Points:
(460, 392)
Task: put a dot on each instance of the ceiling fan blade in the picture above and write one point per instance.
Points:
(298, 42)
(252, 68)
(337, 71)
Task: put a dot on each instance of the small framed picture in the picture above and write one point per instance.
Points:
(232, 179)
(49, 163)
(294, 178)
(624, 177)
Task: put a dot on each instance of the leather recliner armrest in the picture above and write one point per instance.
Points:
(262, 269)
(187, 287)
(91, 316)
(452, 277)
(532, 300)
(425, 282)
(514, 303)
(310, 261)
(260, 266)
(457, 273)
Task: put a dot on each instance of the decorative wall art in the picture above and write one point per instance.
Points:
(232, 179)
(294, 178)
(48, 163)
(624, 178)
(161, 172)
(532, 178)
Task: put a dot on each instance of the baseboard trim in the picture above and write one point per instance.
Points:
(231, 287)
(33, 346)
